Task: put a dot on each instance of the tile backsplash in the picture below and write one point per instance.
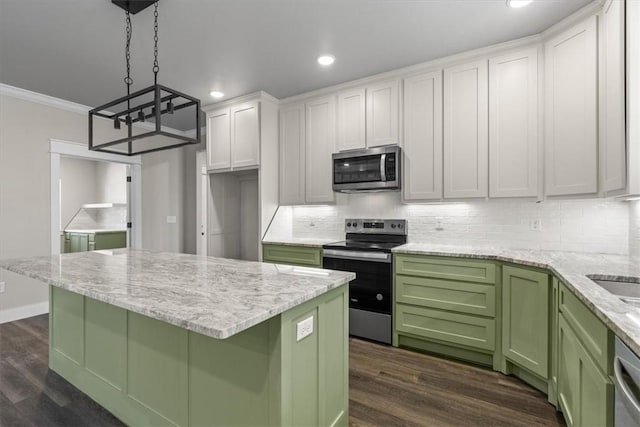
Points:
(589, 225)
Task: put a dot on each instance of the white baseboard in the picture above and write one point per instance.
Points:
(23, 312)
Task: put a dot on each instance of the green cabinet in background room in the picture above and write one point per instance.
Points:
(82, 242)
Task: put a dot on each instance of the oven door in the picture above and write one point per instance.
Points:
(371, 289)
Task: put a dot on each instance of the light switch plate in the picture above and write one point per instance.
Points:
(304, 328)
(171, 220)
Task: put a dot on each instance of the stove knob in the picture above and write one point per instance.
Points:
(348, 224)
(379, 297)
(400, 226)
(355, 224)
(393, 226)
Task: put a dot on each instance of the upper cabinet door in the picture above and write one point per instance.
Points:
(245, 135)
(423, 136)
(465, 130)
(320, 143)
(382, 113)
(351, 120)
(292, 158)
(571, 111)
(218, 139)
(513, 125)
(612, 97)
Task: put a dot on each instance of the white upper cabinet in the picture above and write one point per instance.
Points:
(382, 113)
(351, 119)
(571, 111)
(320, 143)
(218, 139)
(245, 135)
(612, 97)
(292, 155)
(513, 124)
(233, 137)
(422, 161)
(466, 130)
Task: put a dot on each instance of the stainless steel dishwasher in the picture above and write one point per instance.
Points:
(627, 380)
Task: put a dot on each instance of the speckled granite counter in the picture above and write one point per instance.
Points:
(297, 241)
(570, 267)
(213, 296)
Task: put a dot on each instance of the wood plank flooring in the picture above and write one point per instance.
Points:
(388, 387)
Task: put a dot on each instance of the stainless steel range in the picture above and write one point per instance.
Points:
(367, 252)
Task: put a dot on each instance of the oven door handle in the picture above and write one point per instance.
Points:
(358, 255)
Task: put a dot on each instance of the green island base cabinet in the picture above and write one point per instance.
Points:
(517, 320)
(82, 242)
(148, 372)
(292, 255)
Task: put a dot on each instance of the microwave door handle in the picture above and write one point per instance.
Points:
(383, 163)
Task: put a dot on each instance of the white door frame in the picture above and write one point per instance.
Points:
(202, 191)
(59, 148)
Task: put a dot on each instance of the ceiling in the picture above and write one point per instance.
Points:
(74, 49)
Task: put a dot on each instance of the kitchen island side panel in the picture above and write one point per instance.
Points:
(148, 372)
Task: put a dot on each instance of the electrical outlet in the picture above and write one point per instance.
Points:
(171, 220)
(304, 328)
(439, 223)
(2, 287)
(535, 224)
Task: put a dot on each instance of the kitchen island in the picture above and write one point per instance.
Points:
(175, 339)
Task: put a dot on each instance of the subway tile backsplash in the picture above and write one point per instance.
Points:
(589, 225)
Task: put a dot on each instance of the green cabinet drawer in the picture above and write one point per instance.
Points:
(444, 326)
(110, 240)
(463, 297)
(294, 255)
(596, 338)
(446, 268)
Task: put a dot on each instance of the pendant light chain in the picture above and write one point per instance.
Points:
(156, 67)
(127, 52)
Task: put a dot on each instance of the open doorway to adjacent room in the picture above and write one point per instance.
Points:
(95, 199)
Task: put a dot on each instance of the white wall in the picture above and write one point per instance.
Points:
(25, 130)
(595, 225)
(77, 186)
(111, 182)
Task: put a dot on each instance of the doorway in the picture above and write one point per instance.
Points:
(60, 150)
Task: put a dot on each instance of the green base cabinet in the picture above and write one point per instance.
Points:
(525, 319)
(292, 255)
(148, 372)
(446, 306)
(82, 242)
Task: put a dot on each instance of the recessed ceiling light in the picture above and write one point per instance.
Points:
(516, 4)
(216, 94)
(326, 60)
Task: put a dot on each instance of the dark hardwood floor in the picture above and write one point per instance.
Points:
(388, 387)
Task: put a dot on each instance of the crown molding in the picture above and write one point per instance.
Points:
(259, 95)
(63, 104)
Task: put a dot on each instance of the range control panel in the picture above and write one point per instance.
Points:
(376, 226)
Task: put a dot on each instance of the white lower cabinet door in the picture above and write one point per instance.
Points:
(423, 137)
(513, 124)
(320, 143)
(466, 132)
(571, 111)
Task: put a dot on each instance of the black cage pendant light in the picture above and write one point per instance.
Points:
(147, 120)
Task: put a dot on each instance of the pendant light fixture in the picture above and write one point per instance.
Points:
(146, 120)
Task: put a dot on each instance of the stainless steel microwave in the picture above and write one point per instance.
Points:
(371, 169)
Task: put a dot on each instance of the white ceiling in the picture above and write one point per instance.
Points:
(74, 49)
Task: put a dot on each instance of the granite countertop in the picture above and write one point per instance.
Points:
(572, 269)
(300, 241)
(216, 297)
(94, 230)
